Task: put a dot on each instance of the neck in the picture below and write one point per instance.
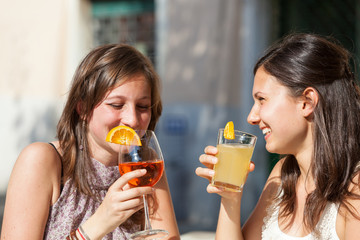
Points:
(304, 155)
(105, 158)
(306, 178)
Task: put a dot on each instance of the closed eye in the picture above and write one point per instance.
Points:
(260, 100)
(116, 106)
(143, 107)
(139, 107)
(257, 96)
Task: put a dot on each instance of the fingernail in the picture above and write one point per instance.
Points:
(211, 172)
(143, 170)
(214, 160)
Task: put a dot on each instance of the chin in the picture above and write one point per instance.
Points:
(271, 149)
(268, 148)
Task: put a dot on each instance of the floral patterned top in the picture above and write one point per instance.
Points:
(73, 208)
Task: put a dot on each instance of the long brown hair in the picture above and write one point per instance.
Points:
(308, 60)
(104, 68)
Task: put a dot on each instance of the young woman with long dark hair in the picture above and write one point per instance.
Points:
(307, 104)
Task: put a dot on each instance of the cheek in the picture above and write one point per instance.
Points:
(280, 117)
(145, 119)
(102, 118)
(287, 124)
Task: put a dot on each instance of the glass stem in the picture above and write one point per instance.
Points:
(147, 218)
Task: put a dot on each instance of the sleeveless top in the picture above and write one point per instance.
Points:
(73, 208)
(326, 227)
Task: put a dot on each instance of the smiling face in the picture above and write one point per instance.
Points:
(279, 115)
(128, 104)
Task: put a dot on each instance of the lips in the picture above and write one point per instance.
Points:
(266, 132)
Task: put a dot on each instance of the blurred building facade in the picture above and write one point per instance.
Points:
(41, 43)
(204, 51)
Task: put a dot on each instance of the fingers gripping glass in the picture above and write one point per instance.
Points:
(147, 156)
(234, 157)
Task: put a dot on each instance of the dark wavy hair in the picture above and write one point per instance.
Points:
(104, 68)
(299, 61)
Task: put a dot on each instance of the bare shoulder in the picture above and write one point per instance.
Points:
(277, 168)
(354, 188)
(37, 163)
(275, 174)
(41, 155)
(272, 184)
(36, 177)
(350, 229)
(40, 149)
(252, 227)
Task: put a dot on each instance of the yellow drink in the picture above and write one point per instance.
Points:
(233, 165)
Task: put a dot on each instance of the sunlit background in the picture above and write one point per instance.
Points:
(204, 51)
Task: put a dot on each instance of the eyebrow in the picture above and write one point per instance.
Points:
(124, 97)
(256, 95)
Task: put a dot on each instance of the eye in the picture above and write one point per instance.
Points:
(260, 100)
(116, 106)
(143, 107)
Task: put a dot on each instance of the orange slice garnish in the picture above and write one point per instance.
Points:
(123, 135)
(229, 131)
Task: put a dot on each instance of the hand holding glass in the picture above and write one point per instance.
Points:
(147, 156)
(234, 157)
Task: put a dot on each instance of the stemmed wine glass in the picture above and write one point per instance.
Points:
(148, 156)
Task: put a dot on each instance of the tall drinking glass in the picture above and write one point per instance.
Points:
(147, 156)
(234, 157)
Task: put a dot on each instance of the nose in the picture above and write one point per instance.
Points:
(129, 116)
(253, 117)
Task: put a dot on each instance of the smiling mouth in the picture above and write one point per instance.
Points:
(266, 131)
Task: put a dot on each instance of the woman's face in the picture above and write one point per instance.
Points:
(128, 104)
(278, 114)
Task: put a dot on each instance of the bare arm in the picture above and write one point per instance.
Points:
(229, 216)
(164, 217)
(229, 224)
(34, 185)
(121, 201)
(253, 226)
(115, 209)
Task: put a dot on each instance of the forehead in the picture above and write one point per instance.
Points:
(139, 77)
(134, 86)
(266, 83)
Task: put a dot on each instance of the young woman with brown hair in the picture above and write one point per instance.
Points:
(73, 185)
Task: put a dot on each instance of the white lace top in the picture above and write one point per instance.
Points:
(326, 226)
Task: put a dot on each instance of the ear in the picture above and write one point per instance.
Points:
(309, 102)
(79, 108)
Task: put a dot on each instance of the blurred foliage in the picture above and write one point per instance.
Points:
(337, 18)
